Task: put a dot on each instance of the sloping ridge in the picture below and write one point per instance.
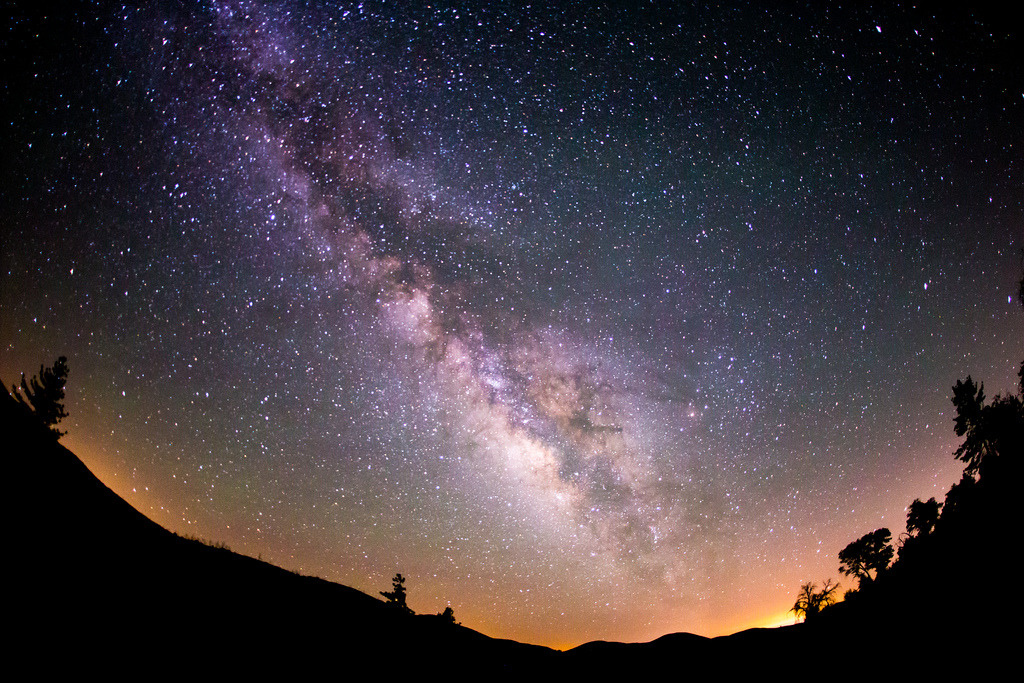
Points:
(104, 585)
(96, 580)
(101, 583)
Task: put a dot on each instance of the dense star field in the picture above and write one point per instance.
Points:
(593, 322)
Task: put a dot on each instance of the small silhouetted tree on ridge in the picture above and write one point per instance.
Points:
(396, 596)
(811, 601)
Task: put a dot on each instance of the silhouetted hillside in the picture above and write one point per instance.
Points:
(950, 593)
(97, 585)
(948, 597)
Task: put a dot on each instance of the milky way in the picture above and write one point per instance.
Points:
(593, 322)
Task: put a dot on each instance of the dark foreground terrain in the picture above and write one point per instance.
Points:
(94, 585)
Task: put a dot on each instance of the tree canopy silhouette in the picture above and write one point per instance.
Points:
(396, 596)
(922, 516)
(811, 601)
(867, 557)
(42, 397)
(990, 431)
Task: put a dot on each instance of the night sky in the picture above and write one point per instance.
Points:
(594, 322)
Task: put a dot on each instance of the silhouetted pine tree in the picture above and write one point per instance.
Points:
(396, 596)
(42, 397)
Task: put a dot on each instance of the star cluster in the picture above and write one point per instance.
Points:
(594, 322)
